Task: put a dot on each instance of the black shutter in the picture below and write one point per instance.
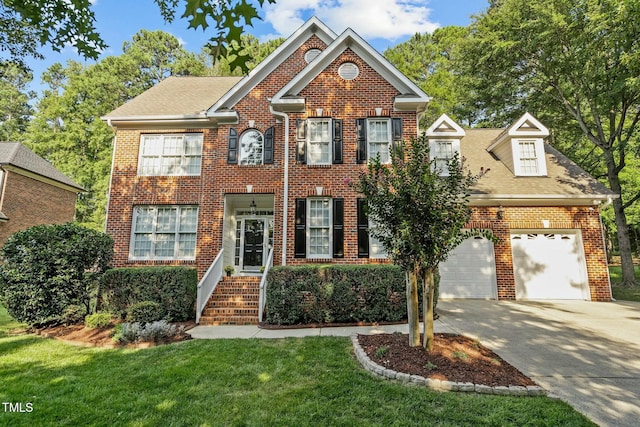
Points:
(337, 140)
(232, 154)
(269, 138)
(301, 137)
(363, 230)
(338, 228)
(300, 239)
(396, 134)
(361, 135)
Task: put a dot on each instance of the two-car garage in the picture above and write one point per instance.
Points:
(546, 265)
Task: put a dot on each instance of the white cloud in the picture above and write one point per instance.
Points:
(386, 19)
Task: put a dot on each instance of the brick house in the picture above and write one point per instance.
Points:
(249, 172)
(33, 192)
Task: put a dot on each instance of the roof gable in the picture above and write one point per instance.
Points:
(526, 126)
(312, 27)
(411, 96)
(16, 156)
(445, 127)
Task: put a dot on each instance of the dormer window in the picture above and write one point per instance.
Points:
(521, 147)
(444, 142)
(528, 155)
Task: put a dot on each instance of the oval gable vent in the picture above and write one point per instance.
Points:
(348, 71)
(312, 54)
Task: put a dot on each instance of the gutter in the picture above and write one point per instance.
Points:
(113, 162)
(285, 196)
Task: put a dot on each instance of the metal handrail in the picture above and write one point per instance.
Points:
(263, 286)
(208, 284)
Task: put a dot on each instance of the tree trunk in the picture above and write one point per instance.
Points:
(413, 314)
(427, 307)
(624, 243)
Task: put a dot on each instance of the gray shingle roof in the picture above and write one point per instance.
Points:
(19, 156)
(564, 177)
(177, 96)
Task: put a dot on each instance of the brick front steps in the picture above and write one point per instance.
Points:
(234, 302)
(388, 374)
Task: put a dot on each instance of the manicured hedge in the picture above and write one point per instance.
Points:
(335, 294)
(174, 288)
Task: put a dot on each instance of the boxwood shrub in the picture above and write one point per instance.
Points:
(335, 294)
(173, 288)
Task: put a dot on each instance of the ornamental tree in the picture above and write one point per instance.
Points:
(420, 214)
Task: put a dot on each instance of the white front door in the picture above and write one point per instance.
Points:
(549, 265)
(470, 271)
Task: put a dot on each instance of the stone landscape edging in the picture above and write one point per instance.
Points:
(439, 385)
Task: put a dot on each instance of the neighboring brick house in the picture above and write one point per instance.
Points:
(237, 167)
(33, 192)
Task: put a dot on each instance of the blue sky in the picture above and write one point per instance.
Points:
(384, 23)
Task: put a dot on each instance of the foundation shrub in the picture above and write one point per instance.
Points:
(335, 294)
(172, 288)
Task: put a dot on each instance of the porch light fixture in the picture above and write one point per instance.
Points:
(252, 207)
(500, 214)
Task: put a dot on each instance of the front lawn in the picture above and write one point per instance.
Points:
(296, 382)
(623, 293)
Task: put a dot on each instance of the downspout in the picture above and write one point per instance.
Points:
(113, 161)
(604, 241)
(285, 196)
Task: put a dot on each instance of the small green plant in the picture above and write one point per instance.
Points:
(431, 366)
(155, 331)
(476, 344)
(74, 314)
(229, 269)
(145, 312)
(97, 320)
(496, 361)
(381, 351)
(460, 355)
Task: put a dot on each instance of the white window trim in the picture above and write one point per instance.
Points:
(177, 233)
(183, 154)
(381, 255)
(329, 142)
(539, 147)
(433, 145)
(240, 158)
(328, 255)
(389, 139)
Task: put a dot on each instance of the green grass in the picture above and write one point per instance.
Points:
(292, 382)
(623, 293)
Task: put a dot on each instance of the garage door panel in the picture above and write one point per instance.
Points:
(470, 271)
(549, 266)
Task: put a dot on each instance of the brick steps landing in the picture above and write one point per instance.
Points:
(234, 302)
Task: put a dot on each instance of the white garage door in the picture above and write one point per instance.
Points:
(549, 265)
(470, 271)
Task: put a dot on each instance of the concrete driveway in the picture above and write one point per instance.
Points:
(586, 353)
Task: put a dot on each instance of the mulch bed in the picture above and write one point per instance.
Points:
(454, 358)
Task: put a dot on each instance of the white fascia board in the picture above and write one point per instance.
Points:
(312, 27)
(538, 199)
(540, 130)
(411, 96)
(289, 105)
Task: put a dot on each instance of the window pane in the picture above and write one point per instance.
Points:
(381, 149)
(188, 219)
(187, 246)
(172, 145)
(251, 143)
(165, 245)
(378, 131)
(142, 245)
(152, 145)
(528, 159)
(166, 221)
(144, 219)
(319, 241)
(319, 131)
(179, 154)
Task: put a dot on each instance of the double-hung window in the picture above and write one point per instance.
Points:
(379, 139)
(528, 158)
(170, 154)
(164, 232)
(319, 228)
(443, 153)
(376, 248)
(319, 143)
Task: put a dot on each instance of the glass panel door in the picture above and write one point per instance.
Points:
(253, 244)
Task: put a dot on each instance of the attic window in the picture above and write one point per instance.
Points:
(348, 71)
(312, 54)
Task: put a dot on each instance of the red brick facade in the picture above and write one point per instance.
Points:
(28, 202)
(348, 100)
